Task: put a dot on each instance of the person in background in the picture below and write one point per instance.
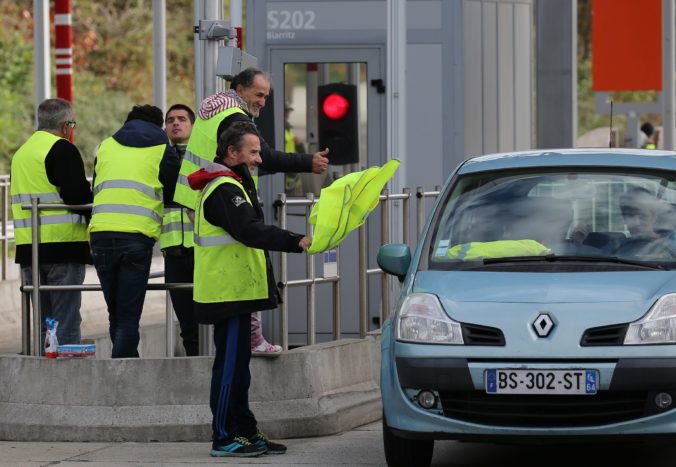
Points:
(244, 100)
(176, 237)
(649, 136)
(134, 172)
(49, 167)
(233, 278)
(293, 185)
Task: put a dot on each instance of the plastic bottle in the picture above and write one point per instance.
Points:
(51, 343)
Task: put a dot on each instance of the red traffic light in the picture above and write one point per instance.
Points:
(335, 106)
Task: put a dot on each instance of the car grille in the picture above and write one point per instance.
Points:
(604, 335)
(543, 410)
(473, 334)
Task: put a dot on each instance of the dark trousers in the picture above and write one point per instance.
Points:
(230, 380)
(123, 267)
(179, 264)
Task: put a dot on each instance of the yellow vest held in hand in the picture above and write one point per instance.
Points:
(344, 205)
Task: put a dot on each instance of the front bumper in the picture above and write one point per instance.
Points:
(623, 406)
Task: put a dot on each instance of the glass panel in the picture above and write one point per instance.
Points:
(587, 213)
(301, 83)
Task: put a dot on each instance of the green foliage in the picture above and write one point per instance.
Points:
(16, 80)
(587, 118)
(112, 67)
(99, 113)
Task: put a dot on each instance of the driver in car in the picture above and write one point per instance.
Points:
(640, 209)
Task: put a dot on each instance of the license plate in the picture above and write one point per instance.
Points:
(541, 381)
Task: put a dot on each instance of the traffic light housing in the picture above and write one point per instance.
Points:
(338, 123)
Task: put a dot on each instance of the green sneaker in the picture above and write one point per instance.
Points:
(259, 439)
(238, 447)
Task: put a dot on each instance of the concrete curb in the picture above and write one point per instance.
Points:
(310, 391)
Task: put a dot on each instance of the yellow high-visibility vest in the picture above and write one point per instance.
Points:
(344, 205)
(29, 181)
(177, 229)
(225, 269)
(200, 152)
(498, 249)
(127, 190)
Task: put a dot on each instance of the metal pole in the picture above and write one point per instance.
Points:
(668, 71)
(406, 215)
(25, 322)
(63, 41)
(284, 278)
(170, 325)
(336, 299)
(384, 238)
(419, 211)
(363, 284)
(159, 54)
(5, 220)
(396, 91)
(197, 43)
(35, 265)
(312, 288)
(41, 52)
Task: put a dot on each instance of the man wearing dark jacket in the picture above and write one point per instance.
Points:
(247, 95)
(233, 278)
(135, 171)
(49, 167)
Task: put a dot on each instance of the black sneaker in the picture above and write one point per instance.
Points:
(238, 447)
(259, 439)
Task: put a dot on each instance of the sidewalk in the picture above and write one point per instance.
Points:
(360, 446)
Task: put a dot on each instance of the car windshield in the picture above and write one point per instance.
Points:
(590, 216)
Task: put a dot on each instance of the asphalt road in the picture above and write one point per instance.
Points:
(359, 447)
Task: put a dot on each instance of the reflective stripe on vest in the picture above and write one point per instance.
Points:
(177, 229)
(127, 190)
(225, 269)
(498, 249)
(200, 152)
(30, 181)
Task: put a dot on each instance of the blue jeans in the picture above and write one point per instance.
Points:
(64, 306)
(123, 267)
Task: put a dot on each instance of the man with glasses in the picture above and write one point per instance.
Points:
(50, 168)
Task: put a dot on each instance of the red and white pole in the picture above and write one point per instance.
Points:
(63, 31)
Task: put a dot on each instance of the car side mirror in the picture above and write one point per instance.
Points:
(395, 258)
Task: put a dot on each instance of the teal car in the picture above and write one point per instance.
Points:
(539, 303)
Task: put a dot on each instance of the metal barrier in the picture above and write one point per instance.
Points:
(5, 234)
(30, 334)
(311, 283)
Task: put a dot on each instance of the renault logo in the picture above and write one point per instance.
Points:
(543, 325)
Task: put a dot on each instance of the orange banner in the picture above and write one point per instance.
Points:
(626, 45)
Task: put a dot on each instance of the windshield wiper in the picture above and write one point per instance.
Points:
(589, 259)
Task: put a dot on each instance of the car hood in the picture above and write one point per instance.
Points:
(515, 287)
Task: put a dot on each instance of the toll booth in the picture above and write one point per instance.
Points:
(469, 75)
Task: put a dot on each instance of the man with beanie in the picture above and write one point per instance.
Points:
(134, 172)
(233, 278)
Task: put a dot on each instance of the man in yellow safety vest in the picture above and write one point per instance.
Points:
(233, 278)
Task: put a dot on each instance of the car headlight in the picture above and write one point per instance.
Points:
(656, 327)
(422, 319)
